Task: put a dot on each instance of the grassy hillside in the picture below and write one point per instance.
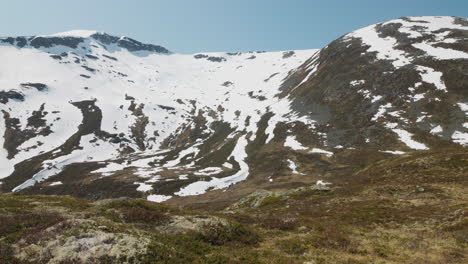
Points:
(406, 209)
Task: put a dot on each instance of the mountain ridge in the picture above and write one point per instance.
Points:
(138, 120)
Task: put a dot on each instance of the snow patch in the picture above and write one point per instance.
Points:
(406, 137)
(157, 198)
(320, 182)
(460, 138)
(428, 75)
(293, 167)
(436, 130)
(292, 143)
(143, 187)
(56, 183)
(394, 152)
(201, 187)
(321, 151)
(75, 33)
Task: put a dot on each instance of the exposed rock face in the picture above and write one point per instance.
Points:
(5, 96)
(261, 197)
(76, 41)
(110, 116)
(390, 76)
(128, 43)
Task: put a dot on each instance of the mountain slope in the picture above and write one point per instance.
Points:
(96, 116)
(405, 209)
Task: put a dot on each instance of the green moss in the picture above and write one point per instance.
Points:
(271, 201)
(72, 203)
(12, 202)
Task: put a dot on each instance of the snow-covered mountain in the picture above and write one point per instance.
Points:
(94, 115)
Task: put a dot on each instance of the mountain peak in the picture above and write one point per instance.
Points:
(74, 38)
(102, 113)
(74, 33)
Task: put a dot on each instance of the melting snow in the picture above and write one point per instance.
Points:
(291, 142)
(383, 47)
(436, 130)
(463, 107)
(293, 167)
(441, 53)
(158, 198)
(406, 137)
(320, 182)
(317, 150)
(376, 98)
(430, 76)
(357, 82)
(394, 152)
(201, 187)
(143, 187)
(75, 33)
(110, 169)
(227, 165)
(209, 171)
(155, 80)
(382, 110)
(460, 138)
(417, 97)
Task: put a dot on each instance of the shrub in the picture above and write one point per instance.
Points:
(12, 228)
(174, 249)
(292, 246)
(136, 203)
(216, 259)
(220, 234)
(330, 237)
(141, 215)
(137, 211)
(281, 222)
(270, 200)
(7, 254)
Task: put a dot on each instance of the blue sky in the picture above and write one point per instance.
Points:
(189, 26)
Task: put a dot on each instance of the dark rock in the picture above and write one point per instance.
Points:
(200, 56)
(288, 54)
(109, 57)
(48, 42)
(128, 43)
(88, 68)
(38, 86)
(227, 84)
(91, 57)
(166, 107)
(216, 59)
(56, 57)
(5, 96)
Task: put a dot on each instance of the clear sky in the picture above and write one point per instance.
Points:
(189, 26)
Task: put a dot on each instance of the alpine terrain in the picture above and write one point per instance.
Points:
(371, 121)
